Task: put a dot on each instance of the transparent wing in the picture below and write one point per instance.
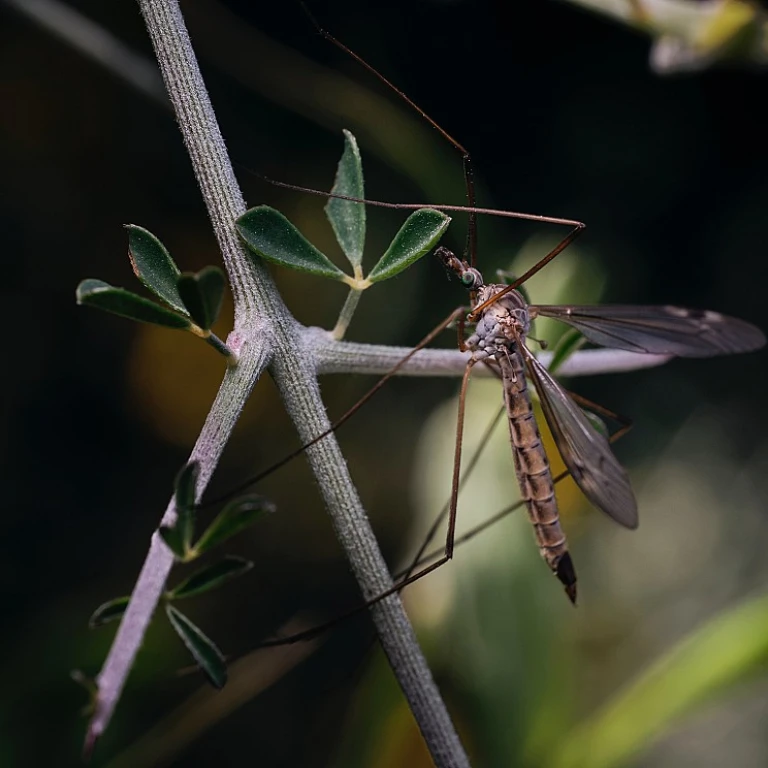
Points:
(663, 330)
(586, 452)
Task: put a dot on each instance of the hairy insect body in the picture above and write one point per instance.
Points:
(500, 330)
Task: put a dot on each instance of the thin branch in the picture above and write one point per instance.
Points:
(346, 314)
(264, 332)
(221, 420)
(348, 357)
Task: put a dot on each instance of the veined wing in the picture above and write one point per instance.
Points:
(586, 452)
(663, 330)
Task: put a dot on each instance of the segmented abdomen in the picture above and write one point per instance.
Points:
(533, 472)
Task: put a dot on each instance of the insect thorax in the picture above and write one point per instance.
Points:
(502, 324)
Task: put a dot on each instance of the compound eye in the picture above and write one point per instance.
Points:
(468, 279)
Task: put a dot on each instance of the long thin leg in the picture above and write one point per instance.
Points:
(407, 577)
(577, 226)
(417, 558)
(469, 176)
(417, 206)
(445, 511)
(457, 463)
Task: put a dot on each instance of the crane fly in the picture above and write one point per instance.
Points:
(502, 320)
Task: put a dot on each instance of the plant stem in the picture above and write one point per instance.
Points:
(264, 333)
(345, 316)
(352, 357)
(221, 348)
(238, 382)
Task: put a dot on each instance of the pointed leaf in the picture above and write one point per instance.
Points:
(235, 517)
(118, 301)
(571, 341)
(174, 540)
(202, 293)
(205, 653)
(185, 484)
(269, 234)
(185, 487)
(109, 611)
(153, 265)
(348, 218)
(416, 237)
(211, 576)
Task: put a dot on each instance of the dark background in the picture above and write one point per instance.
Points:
(563, 117)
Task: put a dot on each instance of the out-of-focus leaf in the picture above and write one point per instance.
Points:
(202, 293)
(85, 681)
(729, 649)
(731, 31)
(118, 301)
(597, 423)
(109, 611)
(89, 684)
(270, 235)
(174, 541)
(416, 237)
(348, 218)
(204, 651)
(153, 265)
(567, 344)
(210, 577)
(235, 517)
(185, 486)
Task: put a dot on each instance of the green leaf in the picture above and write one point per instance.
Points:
(118, 301)
(78, 676)
(210, 576)
(185, 484)
(730, 649)
(202, 293)
(109, 611)
(235, 517)
(348, 218)
(185, 487)
(270, 235)
(153, 265)
(416, 237)
(567, 344)
(597, 423)
(174, 540)
(91, 688)
(205, 653)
